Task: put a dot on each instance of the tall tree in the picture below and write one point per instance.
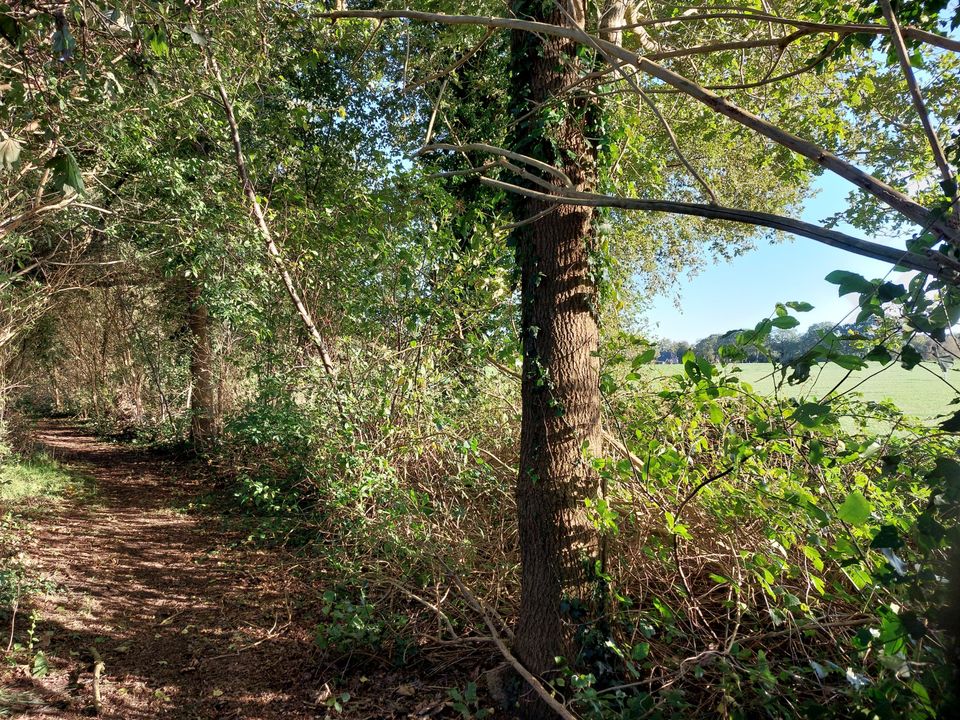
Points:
(203, 421)
(560, 390)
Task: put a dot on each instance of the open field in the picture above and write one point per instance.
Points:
(920, 392)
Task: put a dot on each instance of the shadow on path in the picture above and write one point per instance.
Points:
(188, 623)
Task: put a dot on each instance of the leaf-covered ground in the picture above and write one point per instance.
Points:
(188, 620)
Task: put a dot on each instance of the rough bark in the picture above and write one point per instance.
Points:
(560, 386)
(203, 424)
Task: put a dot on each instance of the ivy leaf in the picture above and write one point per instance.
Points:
(855, 509)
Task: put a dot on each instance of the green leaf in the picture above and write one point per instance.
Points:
(890, 291)
(157, 39)
(785, 322)
(800, 306)
(10, 29)
(910, 357)
(640, 651)
(643, 358)
(63, 43)
(66, 173)
(849, 282)
(879, 354)
(811, 414)
(39, 667)
(849, 362)
(887, 537)
(855, 509)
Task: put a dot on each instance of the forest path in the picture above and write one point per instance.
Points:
(188, 621)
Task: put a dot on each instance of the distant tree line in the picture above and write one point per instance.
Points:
(787, 344)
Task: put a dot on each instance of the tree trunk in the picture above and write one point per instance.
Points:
(203, 426)
(560, 426)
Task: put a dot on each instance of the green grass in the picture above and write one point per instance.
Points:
(920, 392)
(37, 477)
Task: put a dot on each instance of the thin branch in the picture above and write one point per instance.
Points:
(776, 42)
(676, 145)
(896, 39)
(807, 67)
(921, 263)
(913, 33)
(531, 679)
(436, 109)
(261, 223)
(493, 150)
(463, 60)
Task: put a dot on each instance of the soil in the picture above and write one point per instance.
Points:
(188, 619)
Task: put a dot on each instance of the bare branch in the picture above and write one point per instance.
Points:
(261, 223)
(917, 34)
(776, 42)
(927, 264)
(896, 39)
(493, 150)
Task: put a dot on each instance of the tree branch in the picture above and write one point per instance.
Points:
(261, 223)
(896, 39)
(917, 34)
(928, 265)
(890, 196)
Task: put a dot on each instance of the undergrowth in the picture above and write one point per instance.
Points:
(765, 557)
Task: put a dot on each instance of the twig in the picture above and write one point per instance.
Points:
(440, 613)
(538, 686)
(98, 668)
(700, 487)
(13, 617)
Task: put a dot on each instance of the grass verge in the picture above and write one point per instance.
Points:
(35, 478)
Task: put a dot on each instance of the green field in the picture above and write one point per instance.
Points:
(920, 392)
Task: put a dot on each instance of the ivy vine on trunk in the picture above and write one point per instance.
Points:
(560, 430)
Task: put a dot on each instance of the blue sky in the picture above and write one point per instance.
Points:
(740, 293)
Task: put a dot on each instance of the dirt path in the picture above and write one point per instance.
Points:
(188, 622)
